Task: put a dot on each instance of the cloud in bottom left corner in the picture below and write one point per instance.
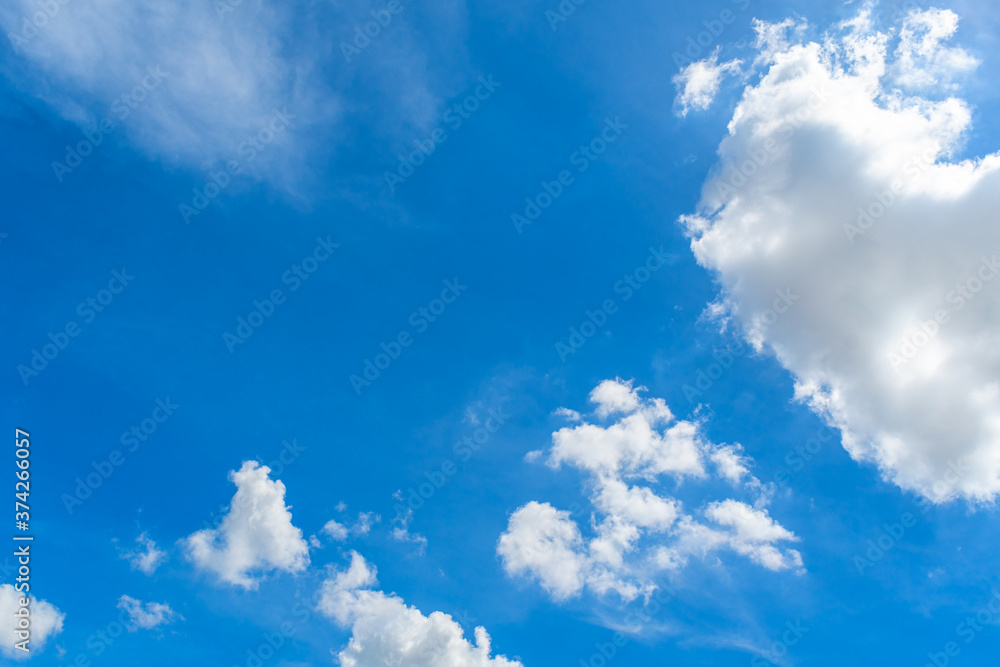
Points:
(46, 621)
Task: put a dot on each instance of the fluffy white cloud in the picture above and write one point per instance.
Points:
(631, 446)
(730, 462)
(385, 631)
(46, 622)
(848, 242)
(256, 535)
(753, 533)
(546, 543)
(637, 531)
(146, 558)
(146, 616)
(698, 83)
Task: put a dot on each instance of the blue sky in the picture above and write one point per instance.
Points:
(790, 442)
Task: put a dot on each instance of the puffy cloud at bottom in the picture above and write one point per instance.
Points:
(255, 536)
(385, 631)
(639, 535)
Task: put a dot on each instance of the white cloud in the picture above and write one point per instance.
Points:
(921, 59)
(364, 523)
(698, 83)
(227, 72)
(773, 38)
(401, 532)
(385, 631)
(632, 445)
(148, 615)
(336, 531)
(753, 533)
(146, 558)
(224, 76)
(566, 413)
(637, 531)
(46, 622)
(841, 195)
(730, 462)
(614, 397)
(256, 535)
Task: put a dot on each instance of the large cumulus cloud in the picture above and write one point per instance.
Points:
(838, 182)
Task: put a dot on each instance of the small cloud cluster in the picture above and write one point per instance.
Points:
(698, 83)
(638, 531)
(340, 532)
